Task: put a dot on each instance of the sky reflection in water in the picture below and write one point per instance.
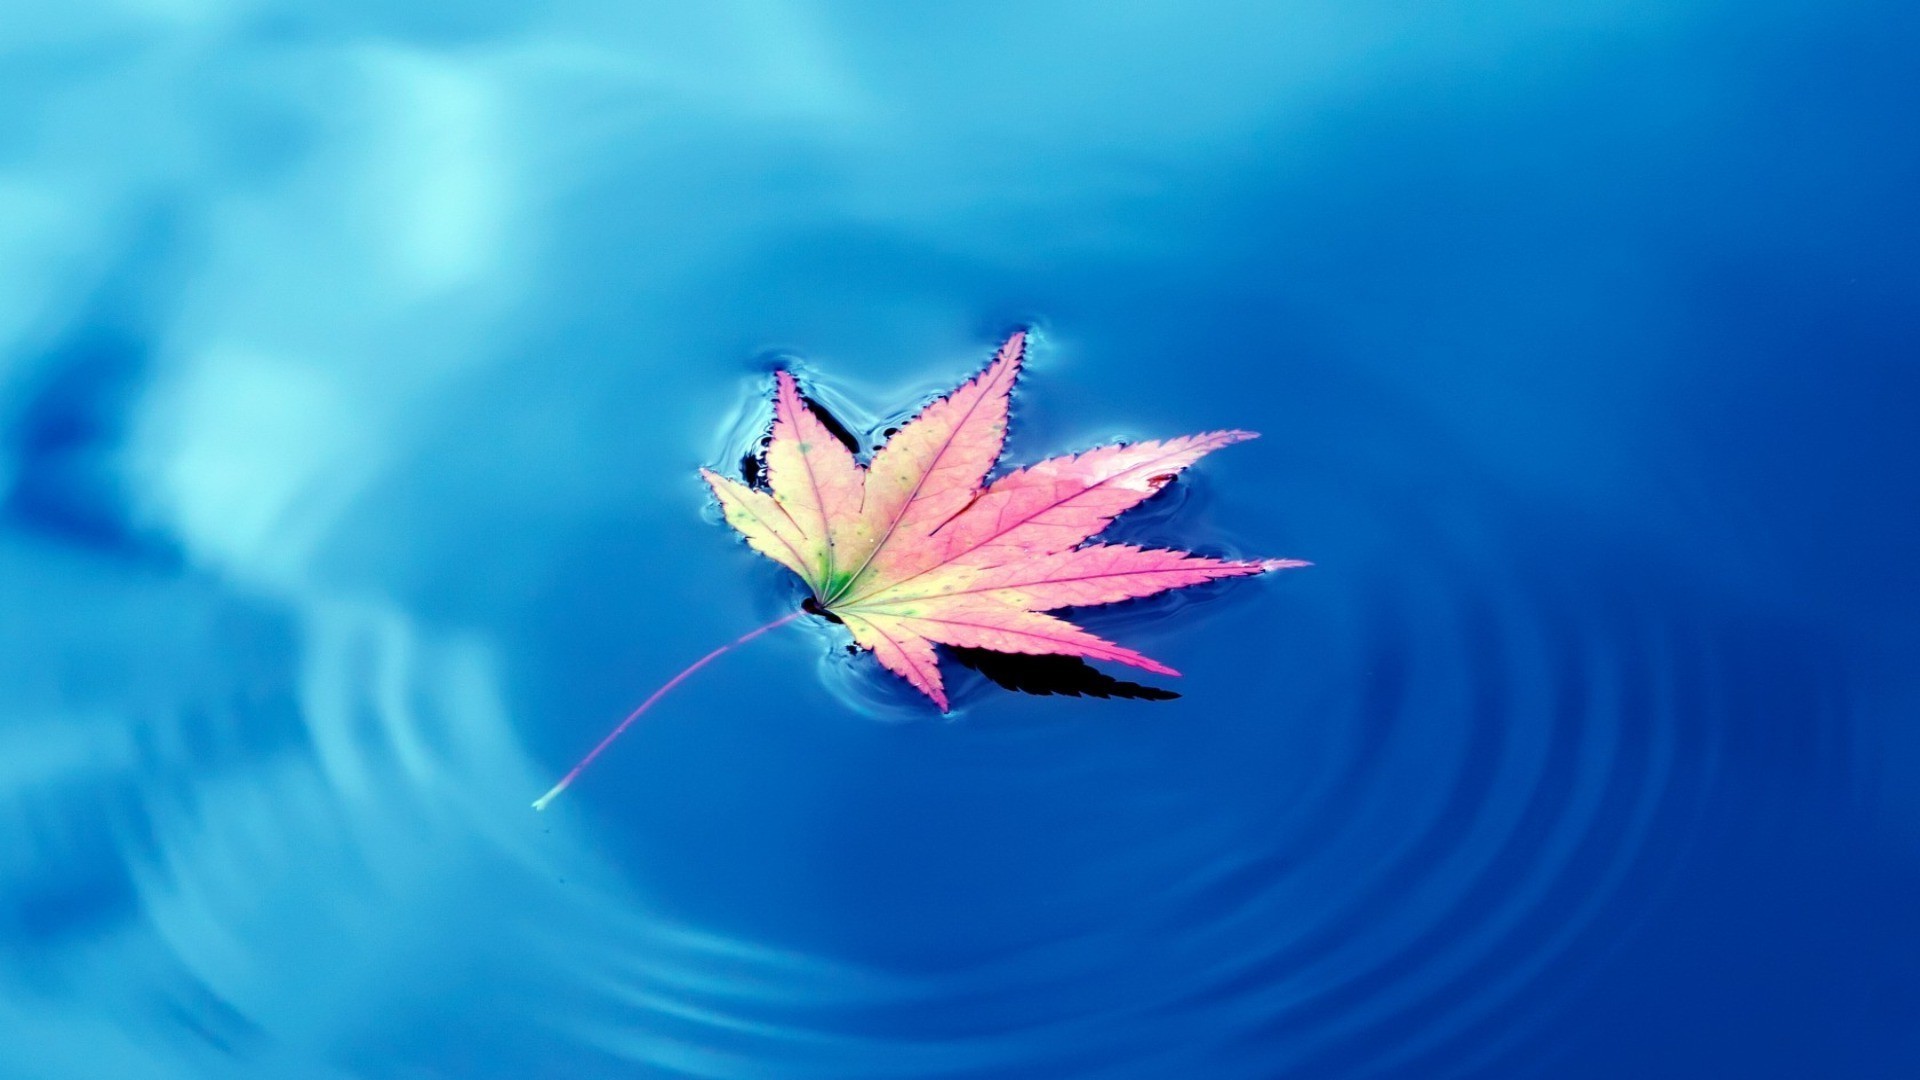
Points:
(355, 361)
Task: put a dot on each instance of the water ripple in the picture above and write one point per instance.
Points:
(1516, 758)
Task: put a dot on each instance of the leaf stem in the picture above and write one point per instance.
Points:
(542, 801)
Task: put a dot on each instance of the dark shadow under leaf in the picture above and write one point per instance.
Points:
(833, 425)
(1068, 675)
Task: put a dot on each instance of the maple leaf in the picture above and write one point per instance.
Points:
(915, 548)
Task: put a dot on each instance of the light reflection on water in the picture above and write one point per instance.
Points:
(356, 364)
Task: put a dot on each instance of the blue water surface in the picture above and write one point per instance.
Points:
(356, 360)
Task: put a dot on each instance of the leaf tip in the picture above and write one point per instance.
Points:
(1283, 564)
(786, 393)
(1012, 354)
(1148, 663)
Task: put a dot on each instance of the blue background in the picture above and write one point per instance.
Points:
(356, 358)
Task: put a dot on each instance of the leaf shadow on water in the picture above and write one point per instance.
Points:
(1043, 675)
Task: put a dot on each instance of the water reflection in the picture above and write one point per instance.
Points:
(354, 365)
